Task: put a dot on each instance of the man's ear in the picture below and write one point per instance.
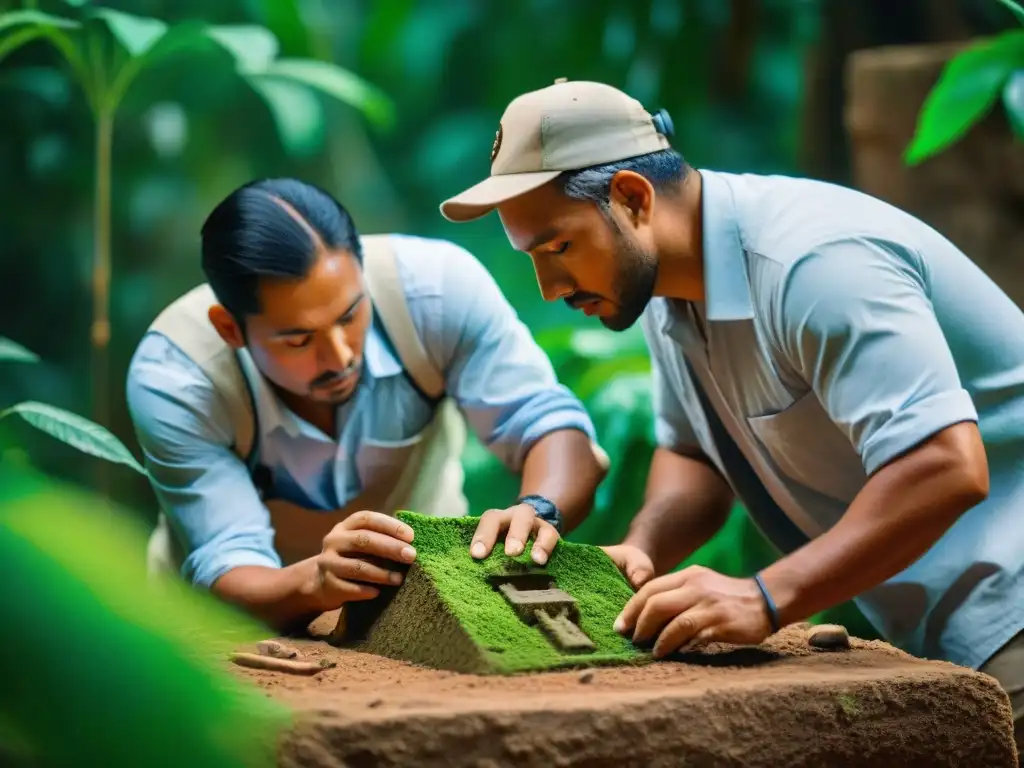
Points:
(634, 195)
(226, 326)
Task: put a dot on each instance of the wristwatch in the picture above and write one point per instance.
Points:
(545, 509)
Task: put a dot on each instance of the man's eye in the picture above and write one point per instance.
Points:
(562, 248)
(298, 343)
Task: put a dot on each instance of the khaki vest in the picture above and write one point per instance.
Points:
(431, 482)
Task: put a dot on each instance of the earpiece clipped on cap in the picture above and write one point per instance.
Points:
(663, 123)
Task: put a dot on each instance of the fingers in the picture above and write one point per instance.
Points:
(638, 572)
(520, 527)
(342, 591)
(639, 575)
(522, 523)
(683, 632)
(544, 542)
(487, 532)
(356, 569)
(376, 521)
(369, 542)
(632, 563)
(617, 553)
(658, 611)
(627, 620)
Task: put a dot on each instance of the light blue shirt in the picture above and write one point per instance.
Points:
(839, 333)
(494, 370)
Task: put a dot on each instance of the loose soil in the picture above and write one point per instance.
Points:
(783, 703)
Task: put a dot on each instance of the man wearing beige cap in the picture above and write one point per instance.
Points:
(835, 363)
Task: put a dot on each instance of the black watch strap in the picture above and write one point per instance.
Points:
(545, 508)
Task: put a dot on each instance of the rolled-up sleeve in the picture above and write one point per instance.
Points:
(855, 321)
(202, 486)
(495, 370)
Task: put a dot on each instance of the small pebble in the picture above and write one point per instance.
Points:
(587, 677)
(277, 650)
(829, 637)
(375, 703)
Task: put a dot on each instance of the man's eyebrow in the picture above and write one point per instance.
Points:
(543, 237)
(307, 331)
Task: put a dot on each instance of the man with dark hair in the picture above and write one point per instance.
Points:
(837, 364)
(290, 405)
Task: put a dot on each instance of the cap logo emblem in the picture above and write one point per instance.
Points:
(497, 143)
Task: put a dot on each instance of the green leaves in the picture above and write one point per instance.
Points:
(968, 87)
(20, 27)
(338, 83)
(289, 87)
(296, 110)
(137, 34)
(136, 648)
(1015, 9)
(37, 18)
(253, 48)
(70, 428)
(14, 352)
(1013, 100)
(76, 431)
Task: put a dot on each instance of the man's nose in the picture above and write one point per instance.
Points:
(553, 285)
(335, 353)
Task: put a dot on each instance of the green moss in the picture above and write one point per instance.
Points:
(447, 595)
(849, 705)
(414, 625)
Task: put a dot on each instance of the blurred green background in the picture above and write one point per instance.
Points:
(752, 85)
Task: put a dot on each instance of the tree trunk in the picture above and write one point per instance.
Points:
(100, 331)
(973, 192)
(846, 27)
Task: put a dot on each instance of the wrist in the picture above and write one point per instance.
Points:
(544, 508)
(770, 609)
(306, 586)
(782, 595)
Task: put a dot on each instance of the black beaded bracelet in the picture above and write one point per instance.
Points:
(773, 612)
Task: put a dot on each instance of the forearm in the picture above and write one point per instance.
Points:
(279, 597)
(686, 503)
(898, 515)
(562, 467)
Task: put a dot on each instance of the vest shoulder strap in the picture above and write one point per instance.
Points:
(185, 322)
(384, 282)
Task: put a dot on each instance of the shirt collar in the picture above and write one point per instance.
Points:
(726, 288)
(379, 362)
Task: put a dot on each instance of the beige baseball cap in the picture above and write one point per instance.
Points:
(563, 127)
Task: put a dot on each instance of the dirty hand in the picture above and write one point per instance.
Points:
(632, 562)
(521, 522)
(692, 607)
(351, 560)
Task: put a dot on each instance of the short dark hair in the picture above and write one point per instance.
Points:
(251, 235)
(664, 169)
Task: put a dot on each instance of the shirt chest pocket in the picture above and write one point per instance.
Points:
(809, 448)
(380, 464)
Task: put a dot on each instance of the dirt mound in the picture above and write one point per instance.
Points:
(453, 612)
(415, 626)
(779, 704)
